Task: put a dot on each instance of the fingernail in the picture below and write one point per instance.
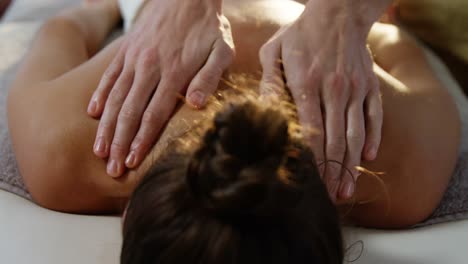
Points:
(113, 168)
(130, 161)
(92, 106)
(100, 146)
(197, 99)
(348, 190)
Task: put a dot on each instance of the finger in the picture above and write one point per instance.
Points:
(113, 105)
(306, 94)
(108, 80)
(154, 118)
(374, 121)
(272, 82)
(355, 137)
(132, 110)
(207, 79)
(307, 100)
(310, 117)
(335, 98)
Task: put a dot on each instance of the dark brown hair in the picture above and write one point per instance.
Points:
(248, 192)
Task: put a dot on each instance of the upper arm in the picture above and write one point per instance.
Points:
(53, 137)
(420, 139)
(50, 153)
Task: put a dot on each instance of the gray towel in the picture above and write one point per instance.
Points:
(12, 48)
(454, 204)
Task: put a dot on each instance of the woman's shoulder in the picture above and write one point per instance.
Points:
(52, 139)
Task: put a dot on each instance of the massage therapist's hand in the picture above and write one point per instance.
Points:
(177, 47)
(329, 72)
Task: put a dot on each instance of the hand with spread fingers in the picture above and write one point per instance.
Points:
(177, 47)
(329, 72)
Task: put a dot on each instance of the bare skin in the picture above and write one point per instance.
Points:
(321, 53)
(176, 46)
(53, 146)
(328, 70)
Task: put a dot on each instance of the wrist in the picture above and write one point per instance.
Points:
(359, 14)
(205, 4)
(217, 4)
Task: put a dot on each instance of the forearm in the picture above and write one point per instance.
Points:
(135, 10)
(361, 12)
(216, 4)
(148, 7)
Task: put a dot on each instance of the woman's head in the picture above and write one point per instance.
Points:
(247, 192)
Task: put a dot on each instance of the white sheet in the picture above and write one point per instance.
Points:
(33, 235)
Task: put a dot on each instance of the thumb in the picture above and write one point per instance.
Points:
(205, 83)
(272, 83)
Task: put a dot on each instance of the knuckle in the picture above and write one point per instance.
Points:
(272, 83)
(314, 74)
(314, 124)
(334, 179)
(148, 59)
(173, 60)
(175, 73)
(357, 80)
(167, 94)
(337, 147)
(104, 127)
(125, 45)
(138, 144)
(355, 136)
(132, 53)
(142, 144)
(116, 98)
(270, 77)
(210, 77)
(151, 118)
(376, 115)
(128, 115)
(302, 89)
(126, 78)
(308, 91)
(338, 88)
(111, 74)
(360, 92)
(118, 148)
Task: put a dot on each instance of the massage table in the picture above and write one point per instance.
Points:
(30, 234)
(34, 235)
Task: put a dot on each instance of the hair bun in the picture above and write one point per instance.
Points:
(236, 168)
